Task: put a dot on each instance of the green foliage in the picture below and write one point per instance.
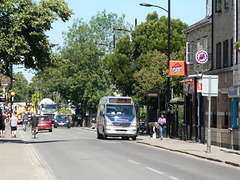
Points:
(153, 35)
(36, 99)
(23, 24)
(64, 111)
(20, 87)
(119, 65)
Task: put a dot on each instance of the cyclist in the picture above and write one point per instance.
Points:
(34, 121)
(25, 121)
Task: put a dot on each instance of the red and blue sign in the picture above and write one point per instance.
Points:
(201, 57)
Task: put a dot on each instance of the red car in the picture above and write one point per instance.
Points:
(44, 123)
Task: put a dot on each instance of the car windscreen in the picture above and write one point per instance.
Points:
(43, 119)
(62, 117)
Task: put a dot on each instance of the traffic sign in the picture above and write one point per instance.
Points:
(210, 85)
(201, 57)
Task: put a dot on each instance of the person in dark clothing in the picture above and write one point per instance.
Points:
(2, 123)
(74, 118)
(34, 121)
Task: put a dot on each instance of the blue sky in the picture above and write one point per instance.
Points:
(188, 11)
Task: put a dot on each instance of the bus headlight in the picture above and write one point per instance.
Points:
(108, 122)
(134, 123)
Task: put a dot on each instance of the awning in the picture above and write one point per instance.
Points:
(178, 100)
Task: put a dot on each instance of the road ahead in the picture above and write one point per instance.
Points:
(69, 154)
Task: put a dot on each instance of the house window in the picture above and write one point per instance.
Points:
(198, 45)
(218, 6)
(205, 44)
(226, 4)
(225, 53)
(190, 52)
(218, 55)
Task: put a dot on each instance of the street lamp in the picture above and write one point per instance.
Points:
(169, 34)
(118, 29)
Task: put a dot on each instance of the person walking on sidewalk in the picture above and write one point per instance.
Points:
(161, 122)
(13, 124)
(2, 123)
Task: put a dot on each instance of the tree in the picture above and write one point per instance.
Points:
(146, 55)
(23, 24)
(153, 76)
(120, 66)
(153, 35)
(20, 87)
(80, 76)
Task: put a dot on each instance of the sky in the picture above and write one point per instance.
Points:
(188, 11)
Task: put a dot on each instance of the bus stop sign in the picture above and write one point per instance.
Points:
(210, 85)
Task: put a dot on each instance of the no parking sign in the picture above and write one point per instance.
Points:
(201, 57)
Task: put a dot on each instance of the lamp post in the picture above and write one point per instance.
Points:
(114, 36)
(169, 34)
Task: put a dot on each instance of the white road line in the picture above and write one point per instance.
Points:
(173, 178)
(154, 170)
(134, 162)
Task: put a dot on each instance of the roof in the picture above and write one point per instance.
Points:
(196, 25)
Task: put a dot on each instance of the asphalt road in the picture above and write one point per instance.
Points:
(68, 154)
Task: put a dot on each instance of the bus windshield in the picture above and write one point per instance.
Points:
(120, 110)
(49, 106)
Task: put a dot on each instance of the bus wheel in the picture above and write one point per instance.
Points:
(99, 136)
(104, 135)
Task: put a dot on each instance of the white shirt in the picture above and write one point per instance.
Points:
(13, 121)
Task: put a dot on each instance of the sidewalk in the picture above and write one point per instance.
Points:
(19, 160)
(218, 154)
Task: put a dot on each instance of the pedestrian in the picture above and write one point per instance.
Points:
(25, 120)
(150, 126)
(13, 124)
(155, 127)
(2, 123)
(161, 122)
(73, 119)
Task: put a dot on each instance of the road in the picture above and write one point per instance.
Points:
(75, 153)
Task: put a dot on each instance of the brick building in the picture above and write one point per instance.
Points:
(216, 34)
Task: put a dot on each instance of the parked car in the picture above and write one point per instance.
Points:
(44, 123)
(62, 120)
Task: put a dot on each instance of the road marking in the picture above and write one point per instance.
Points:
(134, 162)
(151, 169)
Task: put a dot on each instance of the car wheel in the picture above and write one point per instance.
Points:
(134, 138)
(55, 126)
(68, 127)
(50, 130)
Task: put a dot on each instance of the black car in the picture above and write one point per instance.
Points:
(62, 121)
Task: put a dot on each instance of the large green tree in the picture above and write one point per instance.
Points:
(138, 66)
(20, 87)
(80, 76)
(153, 35)
(23, 25)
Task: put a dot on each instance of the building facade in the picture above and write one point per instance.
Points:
(216, 34)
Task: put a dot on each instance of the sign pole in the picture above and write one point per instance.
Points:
(209, 117)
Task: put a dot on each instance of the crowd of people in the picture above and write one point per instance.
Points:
(5, 119)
